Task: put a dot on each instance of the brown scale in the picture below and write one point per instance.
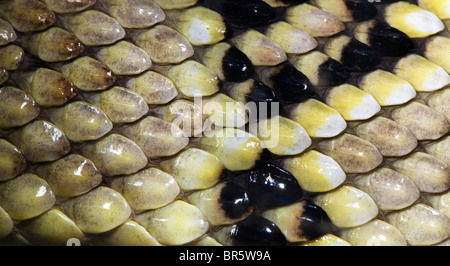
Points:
(27, 15)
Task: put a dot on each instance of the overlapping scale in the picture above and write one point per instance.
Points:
(224, 122)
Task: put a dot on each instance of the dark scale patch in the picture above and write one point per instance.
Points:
(314, 221)
(236, 65)
(264, 98)
(256, 231)
(361, 9)
(332, 73)
(389, 41)
(271, 186)
(264, 157)
(249, 13)
(229, 32)
(358, 57)
(291, 85)
(234, 200)
(261, 93)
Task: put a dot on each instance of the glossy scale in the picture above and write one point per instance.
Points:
(253, 231)
(289, 84)
(270, 186)
(251, 13)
